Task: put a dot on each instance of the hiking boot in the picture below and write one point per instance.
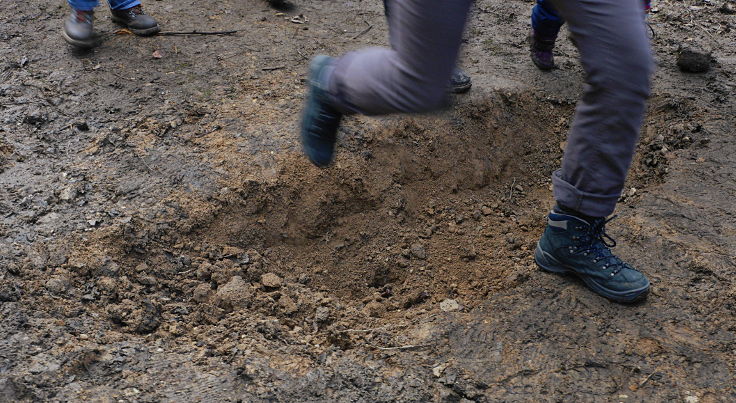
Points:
(541, 50)
(571, 244)
(136, 21)
(320, 120)
(459, 82)
(79, 29)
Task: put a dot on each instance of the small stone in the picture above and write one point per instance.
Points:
(107, 284)
(147, 280)
(449, 305)
(68, 194)
(693, 60)
(235, 294)
(270, 280)
(204, 271)
(728, 7)
(288, 305)
(418, 251)
(486, 210)
(57, 285)
(149, 319)
(142, 267)
(9, 391)
(438, 370)
(9, 292)
(322, 314)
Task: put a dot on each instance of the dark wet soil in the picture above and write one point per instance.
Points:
(163, 239)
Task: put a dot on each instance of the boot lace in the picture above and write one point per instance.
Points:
(136, 10)
(596, 242)
(83, 16)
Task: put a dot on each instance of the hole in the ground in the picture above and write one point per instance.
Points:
(449, 205)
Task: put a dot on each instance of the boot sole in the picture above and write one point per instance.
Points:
(543, 67)
(548, 263)
(460, 89)
(308, 147)
(139, 32)
(79, 43)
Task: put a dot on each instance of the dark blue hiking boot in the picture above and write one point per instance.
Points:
(541, 51)
(571, 244)
(460, 82)
(320, 120)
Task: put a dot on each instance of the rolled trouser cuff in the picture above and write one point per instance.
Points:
(83, 5)
(590, 204)
(123, 4)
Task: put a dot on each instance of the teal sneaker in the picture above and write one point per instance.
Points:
(320, 120)
(571, 244)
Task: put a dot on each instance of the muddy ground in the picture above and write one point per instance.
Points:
(162, 238)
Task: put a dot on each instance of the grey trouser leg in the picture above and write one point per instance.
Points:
(413, 75)
(614, 50)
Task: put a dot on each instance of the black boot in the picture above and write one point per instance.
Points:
(460, 82)
(79, 29)
(136, 21)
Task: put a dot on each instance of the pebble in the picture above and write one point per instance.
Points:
(202, 292)
(693, 60)
(57, 285)
(322, 314)
(68, 194)
(288, 305)
(449, 305)
(235, 294)
(270, 280)
(418, 251)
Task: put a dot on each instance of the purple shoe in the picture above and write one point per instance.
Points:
(541, 51)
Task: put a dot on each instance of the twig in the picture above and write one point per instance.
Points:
(366, 330)
(361, 33)
(273, 68)
(511, 192)
(195, 32)
(648, 377)
(407, 347)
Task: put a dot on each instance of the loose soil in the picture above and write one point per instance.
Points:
(163, 239)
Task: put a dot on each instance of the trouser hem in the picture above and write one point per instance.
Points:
(590, 204)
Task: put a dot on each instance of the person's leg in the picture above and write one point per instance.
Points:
(546, 24)
(412, 76)
(79, 26)
(123, 4)
(546, 21)
(83, 5)
(615, 54)
(460, 82)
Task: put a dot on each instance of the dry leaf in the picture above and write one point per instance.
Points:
(123, 31)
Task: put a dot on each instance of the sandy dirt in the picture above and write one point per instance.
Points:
(163, 239)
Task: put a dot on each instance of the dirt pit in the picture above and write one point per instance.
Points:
(163, 239)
